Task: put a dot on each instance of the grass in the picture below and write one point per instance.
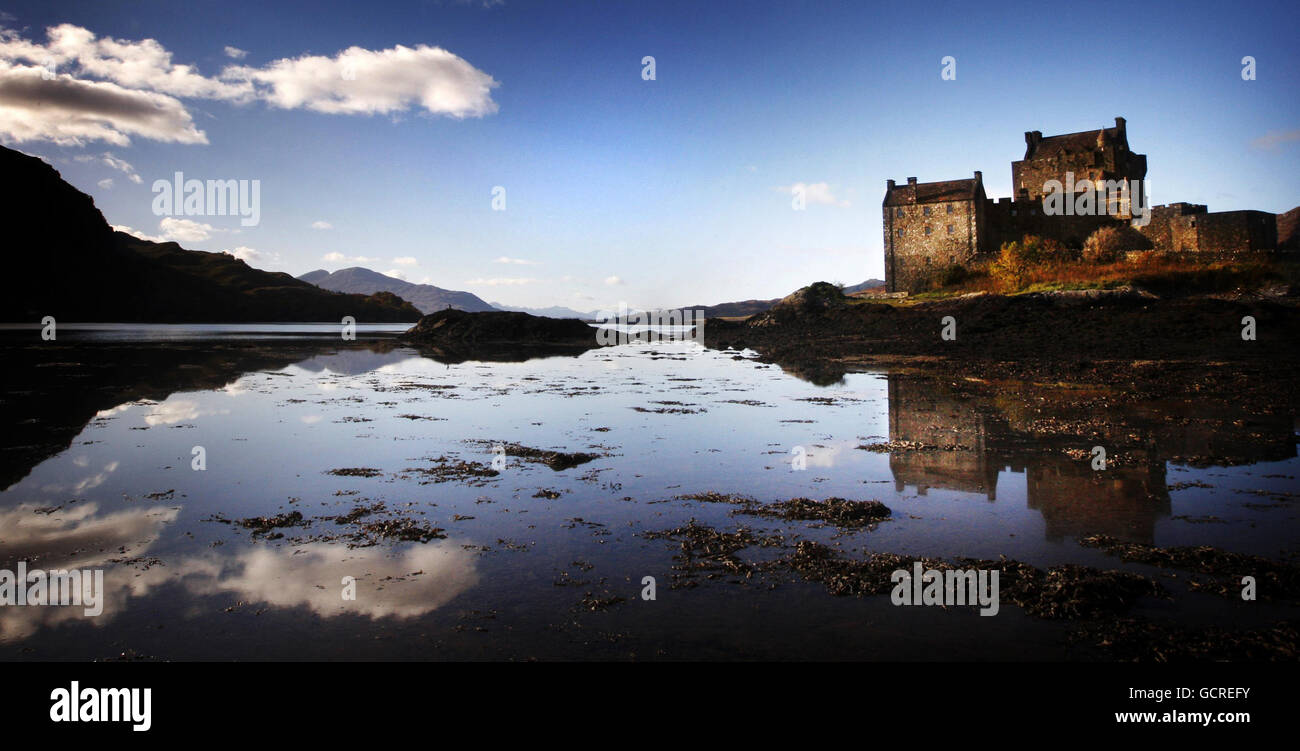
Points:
(1153, 271)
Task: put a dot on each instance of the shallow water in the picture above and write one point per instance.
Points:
(101, 471)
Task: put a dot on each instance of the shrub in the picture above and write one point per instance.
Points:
(1105, 245)
(1018, 258)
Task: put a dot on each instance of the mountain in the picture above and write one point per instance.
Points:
(555, 311)
(426, 297)
(869, 284)
(65, 261)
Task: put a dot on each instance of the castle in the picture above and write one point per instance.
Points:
(932, 228)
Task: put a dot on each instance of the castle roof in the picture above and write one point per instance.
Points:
(1069, 142)
(1042, 147)
(936, 192)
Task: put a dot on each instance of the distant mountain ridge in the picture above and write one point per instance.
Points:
(426, 297)
(65, 261)
(554, 311)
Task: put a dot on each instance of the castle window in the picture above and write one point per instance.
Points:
(900, 231)
(926, 211)
(951, 229)
(898, 212)
(950, 208)
(1013, 212)
(928, 229)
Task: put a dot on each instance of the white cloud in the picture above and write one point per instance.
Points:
(106, 89)
(106, 183)
(396, 274)
(613, 280)
(518, 261)
(72, 112)
(254, 257)
(814, 193)
(367, 82)
(406, 261)
(112, 162)
(503, 282)
(185, 230)
(171, 229)
(321, 225)
(138, 233)
(235, 53)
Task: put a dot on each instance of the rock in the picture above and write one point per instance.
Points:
(459, 330)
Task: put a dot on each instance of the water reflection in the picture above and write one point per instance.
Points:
(81, 537)
(969, 439)
(280, 418)
(405, 582)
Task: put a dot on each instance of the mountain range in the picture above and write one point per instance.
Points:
(430, 299)
(426, 297)
(64, 260)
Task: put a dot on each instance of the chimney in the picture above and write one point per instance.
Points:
(1032, 138)
(1119, 124)
(911, 181)
(891, 184)
(979, 176)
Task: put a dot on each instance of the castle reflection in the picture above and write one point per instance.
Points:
(951, 438)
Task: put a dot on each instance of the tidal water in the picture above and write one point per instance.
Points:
(104, 427)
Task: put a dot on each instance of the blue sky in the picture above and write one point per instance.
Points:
(673, 191)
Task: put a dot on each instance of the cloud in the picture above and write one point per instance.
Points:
(76, 87)
(396, 274)
(518, 261)
(359, 81)
(185, 230)
(71, 112)
(171, 229)
(613, 280)
(112, 162)
(321, 225)
(137, 233)
(1274, 139)
(503, 282)
(254, 257)
(106, 183)
(814, 193)
(406, 261)
(235, 53)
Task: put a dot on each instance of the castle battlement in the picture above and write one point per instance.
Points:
(931, 227)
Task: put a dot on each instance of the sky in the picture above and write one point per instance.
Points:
(523, 152)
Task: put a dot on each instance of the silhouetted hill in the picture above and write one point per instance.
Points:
(426, 297)
(750, 307)
(65, 261)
